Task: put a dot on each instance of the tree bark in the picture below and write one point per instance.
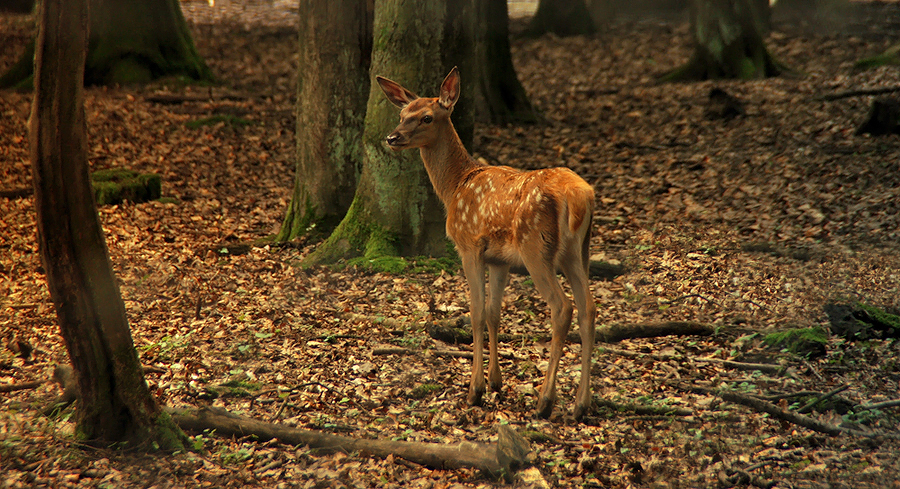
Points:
(335, 54)
(561, 17)
(131, 41)
(500, 96)
(115, 403)
(395, 211)
(728, 42)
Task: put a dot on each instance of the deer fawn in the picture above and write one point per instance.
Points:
(500, 217)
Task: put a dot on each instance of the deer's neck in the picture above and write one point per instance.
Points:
(447, 163)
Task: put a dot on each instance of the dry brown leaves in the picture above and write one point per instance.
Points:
(681, 198)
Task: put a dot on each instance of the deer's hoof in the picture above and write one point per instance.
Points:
(476, 396)
(545, 407)
(497, 387)
(581, 410)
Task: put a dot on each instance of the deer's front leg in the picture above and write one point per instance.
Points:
(499, 274)
(473, 267)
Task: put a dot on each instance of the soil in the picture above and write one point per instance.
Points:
(748, 220)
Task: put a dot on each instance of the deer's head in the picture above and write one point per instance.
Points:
(420, 118)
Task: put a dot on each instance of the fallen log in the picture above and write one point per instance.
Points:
(510, 453)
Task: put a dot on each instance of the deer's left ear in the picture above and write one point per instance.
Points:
(450, 89)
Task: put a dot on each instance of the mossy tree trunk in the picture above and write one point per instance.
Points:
(114, 403)
(728, 42)
(395, 211)
(131, 41)
(561, 17)
(501, 98)
(335, 54)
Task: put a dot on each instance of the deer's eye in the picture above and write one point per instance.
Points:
(427, 119)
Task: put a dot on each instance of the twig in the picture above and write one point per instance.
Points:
(808, 407)
(688, 296)
(813, 370)
(858, 93)
(280, 409)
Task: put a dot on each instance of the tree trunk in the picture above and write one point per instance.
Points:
(131, 41)
(335, 54)
(728, 42)
(115, 403)
(561, 17)
(500, 96)
(395, 211)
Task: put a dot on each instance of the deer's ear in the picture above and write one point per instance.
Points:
(398, 95)
(450, 89)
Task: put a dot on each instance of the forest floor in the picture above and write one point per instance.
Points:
(751, 224)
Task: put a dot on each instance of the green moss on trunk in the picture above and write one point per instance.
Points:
(728, 43)
(394, 211)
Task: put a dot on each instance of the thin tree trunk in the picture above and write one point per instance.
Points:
(115, 403)
(335, 54)
(500, 95)
(395, 211)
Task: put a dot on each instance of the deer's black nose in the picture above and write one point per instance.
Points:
(392, 139)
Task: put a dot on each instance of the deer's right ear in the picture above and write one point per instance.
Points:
(450, 89)
(398, 95)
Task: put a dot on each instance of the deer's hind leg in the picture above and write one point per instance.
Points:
(545, 281)
(576, 271)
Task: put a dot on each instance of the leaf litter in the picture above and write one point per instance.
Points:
(750, 224)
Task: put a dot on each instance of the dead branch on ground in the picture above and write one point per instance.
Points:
(21, 386)
(504, 457)
(761, 405)
(452, 331)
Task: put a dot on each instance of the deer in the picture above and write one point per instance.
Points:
(499, 217)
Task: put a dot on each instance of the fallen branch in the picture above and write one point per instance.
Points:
(879, 405)
(16, 193)
(858, 93)
(769, 368)
(614, 333)
(762, 367)
(642, 409)
(808, 407)
(388, 350)
(769, 408)
(504, 457)
(455, 331)
(789, 416)
(21, 386)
